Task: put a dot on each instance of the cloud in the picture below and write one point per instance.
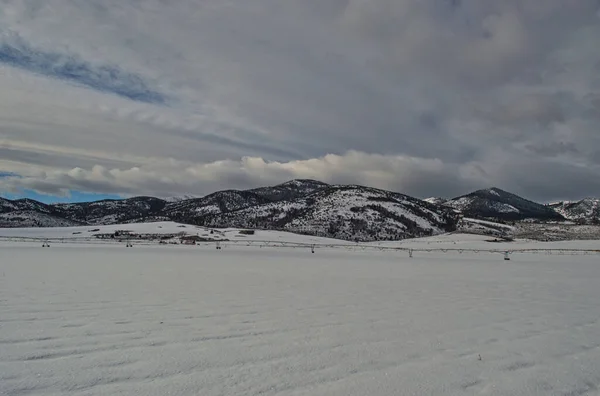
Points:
(14, 51)
(552, 149)
(172, 177)
(472, 42)
(460, 90)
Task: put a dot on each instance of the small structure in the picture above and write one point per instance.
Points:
(122, 233)
(187, 240)
(191, 239)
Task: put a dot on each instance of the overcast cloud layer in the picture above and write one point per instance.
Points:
(425, 97)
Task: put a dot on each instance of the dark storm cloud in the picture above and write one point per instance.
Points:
(552, 149)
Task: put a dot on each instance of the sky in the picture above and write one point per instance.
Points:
(424, 97)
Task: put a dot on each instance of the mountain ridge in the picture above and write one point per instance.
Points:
(495, 203)
(586, 210)
(350, 212)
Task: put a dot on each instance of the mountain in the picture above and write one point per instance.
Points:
(6, 205)
(494, 203)
(30, 213)
(110, 211)
(290, 190)
(192, 210)
(32, 218)
(585, 211)
(436, 200)
(305, 206)
(25, 204)
(344, 212)
(179, 198)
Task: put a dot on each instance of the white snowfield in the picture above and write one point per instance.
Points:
(87, 319)
(232, 237)
(87, 233)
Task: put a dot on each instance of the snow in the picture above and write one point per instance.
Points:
(435, 200)
(182, 320)
(166, 227)
(469, 225)
(348, 213)
(587, 209)
(460, 203)
(505, 208)
(488, 223)
(557, 231)
(179, 198)
(464, 202)
(86, 233)
(483, 244)
(33, 219)
(208, 209)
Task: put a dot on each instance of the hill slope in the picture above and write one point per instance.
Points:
(110, 211)
(32, 218)
(290, 190)
(584, 211)
(344, 212)
(494, 203)
(193, 210)
(304, 206)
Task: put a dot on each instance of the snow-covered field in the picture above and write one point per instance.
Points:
(167, 227)
(80, 319)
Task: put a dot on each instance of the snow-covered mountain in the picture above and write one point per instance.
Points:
(110, 211)
(494, 203)
(6, 205)
(220, 202)
(290, 190)
(304, 206)
(436, 200)
(194, 210)
(344, 212)
(31, 213)
(585, 211)
(32, 218)
(25, 204)
(179, 198)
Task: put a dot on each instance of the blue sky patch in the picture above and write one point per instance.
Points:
(7, 174)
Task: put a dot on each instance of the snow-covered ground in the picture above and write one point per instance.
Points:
(167, 227)
(445, 241)
(192, 320)
(490, 224)
(557, 231)
(484, 243)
